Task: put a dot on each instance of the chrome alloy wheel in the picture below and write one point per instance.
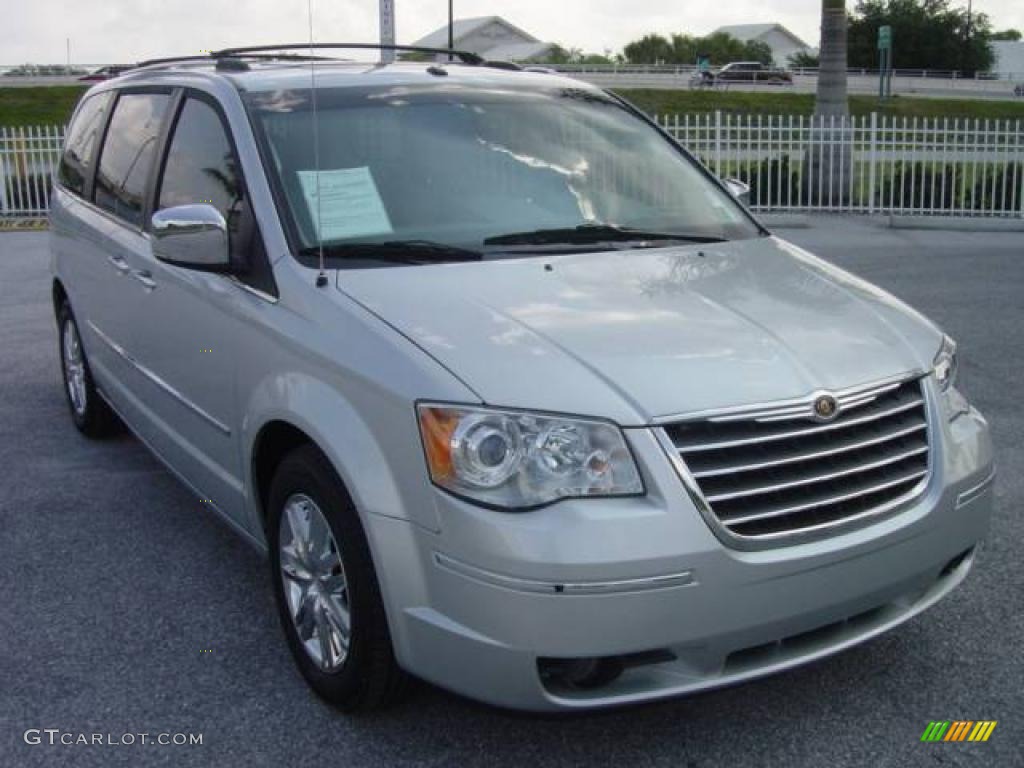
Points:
(314, 582)
(74, 367)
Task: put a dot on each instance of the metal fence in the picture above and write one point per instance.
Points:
(873, 164)
(28, 161)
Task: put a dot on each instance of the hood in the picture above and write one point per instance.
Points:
(637, 335)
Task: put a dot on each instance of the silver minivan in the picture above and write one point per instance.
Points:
(518, 398)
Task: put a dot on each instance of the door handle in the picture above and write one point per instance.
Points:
(145, 277)
(118, 263)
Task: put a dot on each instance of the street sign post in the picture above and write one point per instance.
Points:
(885, 38)
(884, 62)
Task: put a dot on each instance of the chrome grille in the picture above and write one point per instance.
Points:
(773, 472)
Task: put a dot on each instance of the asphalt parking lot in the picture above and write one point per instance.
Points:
(126, 608)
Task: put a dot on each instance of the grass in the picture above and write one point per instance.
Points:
(46, 105)
(776, 103)
(52, 105)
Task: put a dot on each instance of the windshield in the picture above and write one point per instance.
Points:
(483, 171)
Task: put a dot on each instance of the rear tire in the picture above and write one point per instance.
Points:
(90, 412)
(327, 582)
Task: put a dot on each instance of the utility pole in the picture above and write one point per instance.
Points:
(387, 29)
(967, 35)
(451, 27)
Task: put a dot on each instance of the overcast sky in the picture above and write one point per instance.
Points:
(112, 31)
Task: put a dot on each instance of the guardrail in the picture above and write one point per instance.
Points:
(981, 88)
(873, 164)
(678, 69)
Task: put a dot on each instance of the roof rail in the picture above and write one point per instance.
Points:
(168, 60)
(465, 57)
(499, 64)
(216, 57)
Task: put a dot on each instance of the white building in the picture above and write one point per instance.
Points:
(1009, 61)
(782, 42)
(492, 37)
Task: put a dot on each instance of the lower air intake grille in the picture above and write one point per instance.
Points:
(777, 471)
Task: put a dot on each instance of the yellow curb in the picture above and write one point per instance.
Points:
(23, 225)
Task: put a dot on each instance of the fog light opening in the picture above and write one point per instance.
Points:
(590, 672)
(956, 562)
(580, 674)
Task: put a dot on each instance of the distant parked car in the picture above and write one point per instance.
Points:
(43, 70)
(753, 72)
(105, 73)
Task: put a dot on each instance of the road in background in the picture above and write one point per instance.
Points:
(128, 608)
(1000, 90)
(934, 87)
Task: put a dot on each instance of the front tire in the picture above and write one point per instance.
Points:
(90, 413)
(326, 589)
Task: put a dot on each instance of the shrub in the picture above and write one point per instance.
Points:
(772, 182)
(920, 186)
(27, 193)
(999, 189)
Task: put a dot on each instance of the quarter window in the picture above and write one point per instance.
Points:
(81, 140)
(127, 158)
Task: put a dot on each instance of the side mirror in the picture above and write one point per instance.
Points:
(740, 190)
(193, 236)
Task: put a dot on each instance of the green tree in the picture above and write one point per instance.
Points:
(1013, 35)
(684, 49)
(927, 34)
(649, 49)
(804, 60)
(561, 55)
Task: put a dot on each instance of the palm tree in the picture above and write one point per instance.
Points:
(829, 159)
(831, 96)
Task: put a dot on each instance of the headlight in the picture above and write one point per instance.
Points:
(519, 460)
(945, 365)
(945, 368)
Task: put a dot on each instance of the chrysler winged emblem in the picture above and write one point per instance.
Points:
(826, 407)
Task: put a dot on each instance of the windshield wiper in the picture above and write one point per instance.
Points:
(594, 233)
(399, 251)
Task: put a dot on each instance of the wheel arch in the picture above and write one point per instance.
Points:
(58, 294)
(288, 410)
(275, 440)
(359, 464)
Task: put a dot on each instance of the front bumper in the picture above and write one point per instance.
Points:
(477, 606)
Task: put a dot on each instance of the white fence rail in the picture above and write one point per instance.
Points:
(873, 164)
(28, 162)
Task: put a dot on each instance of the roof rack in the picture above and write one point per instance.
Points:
(215, 57)
(465, 57)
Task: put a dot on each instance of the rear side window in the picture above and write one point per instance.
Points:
(80, 144)
(201, 166)
(127, 157)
